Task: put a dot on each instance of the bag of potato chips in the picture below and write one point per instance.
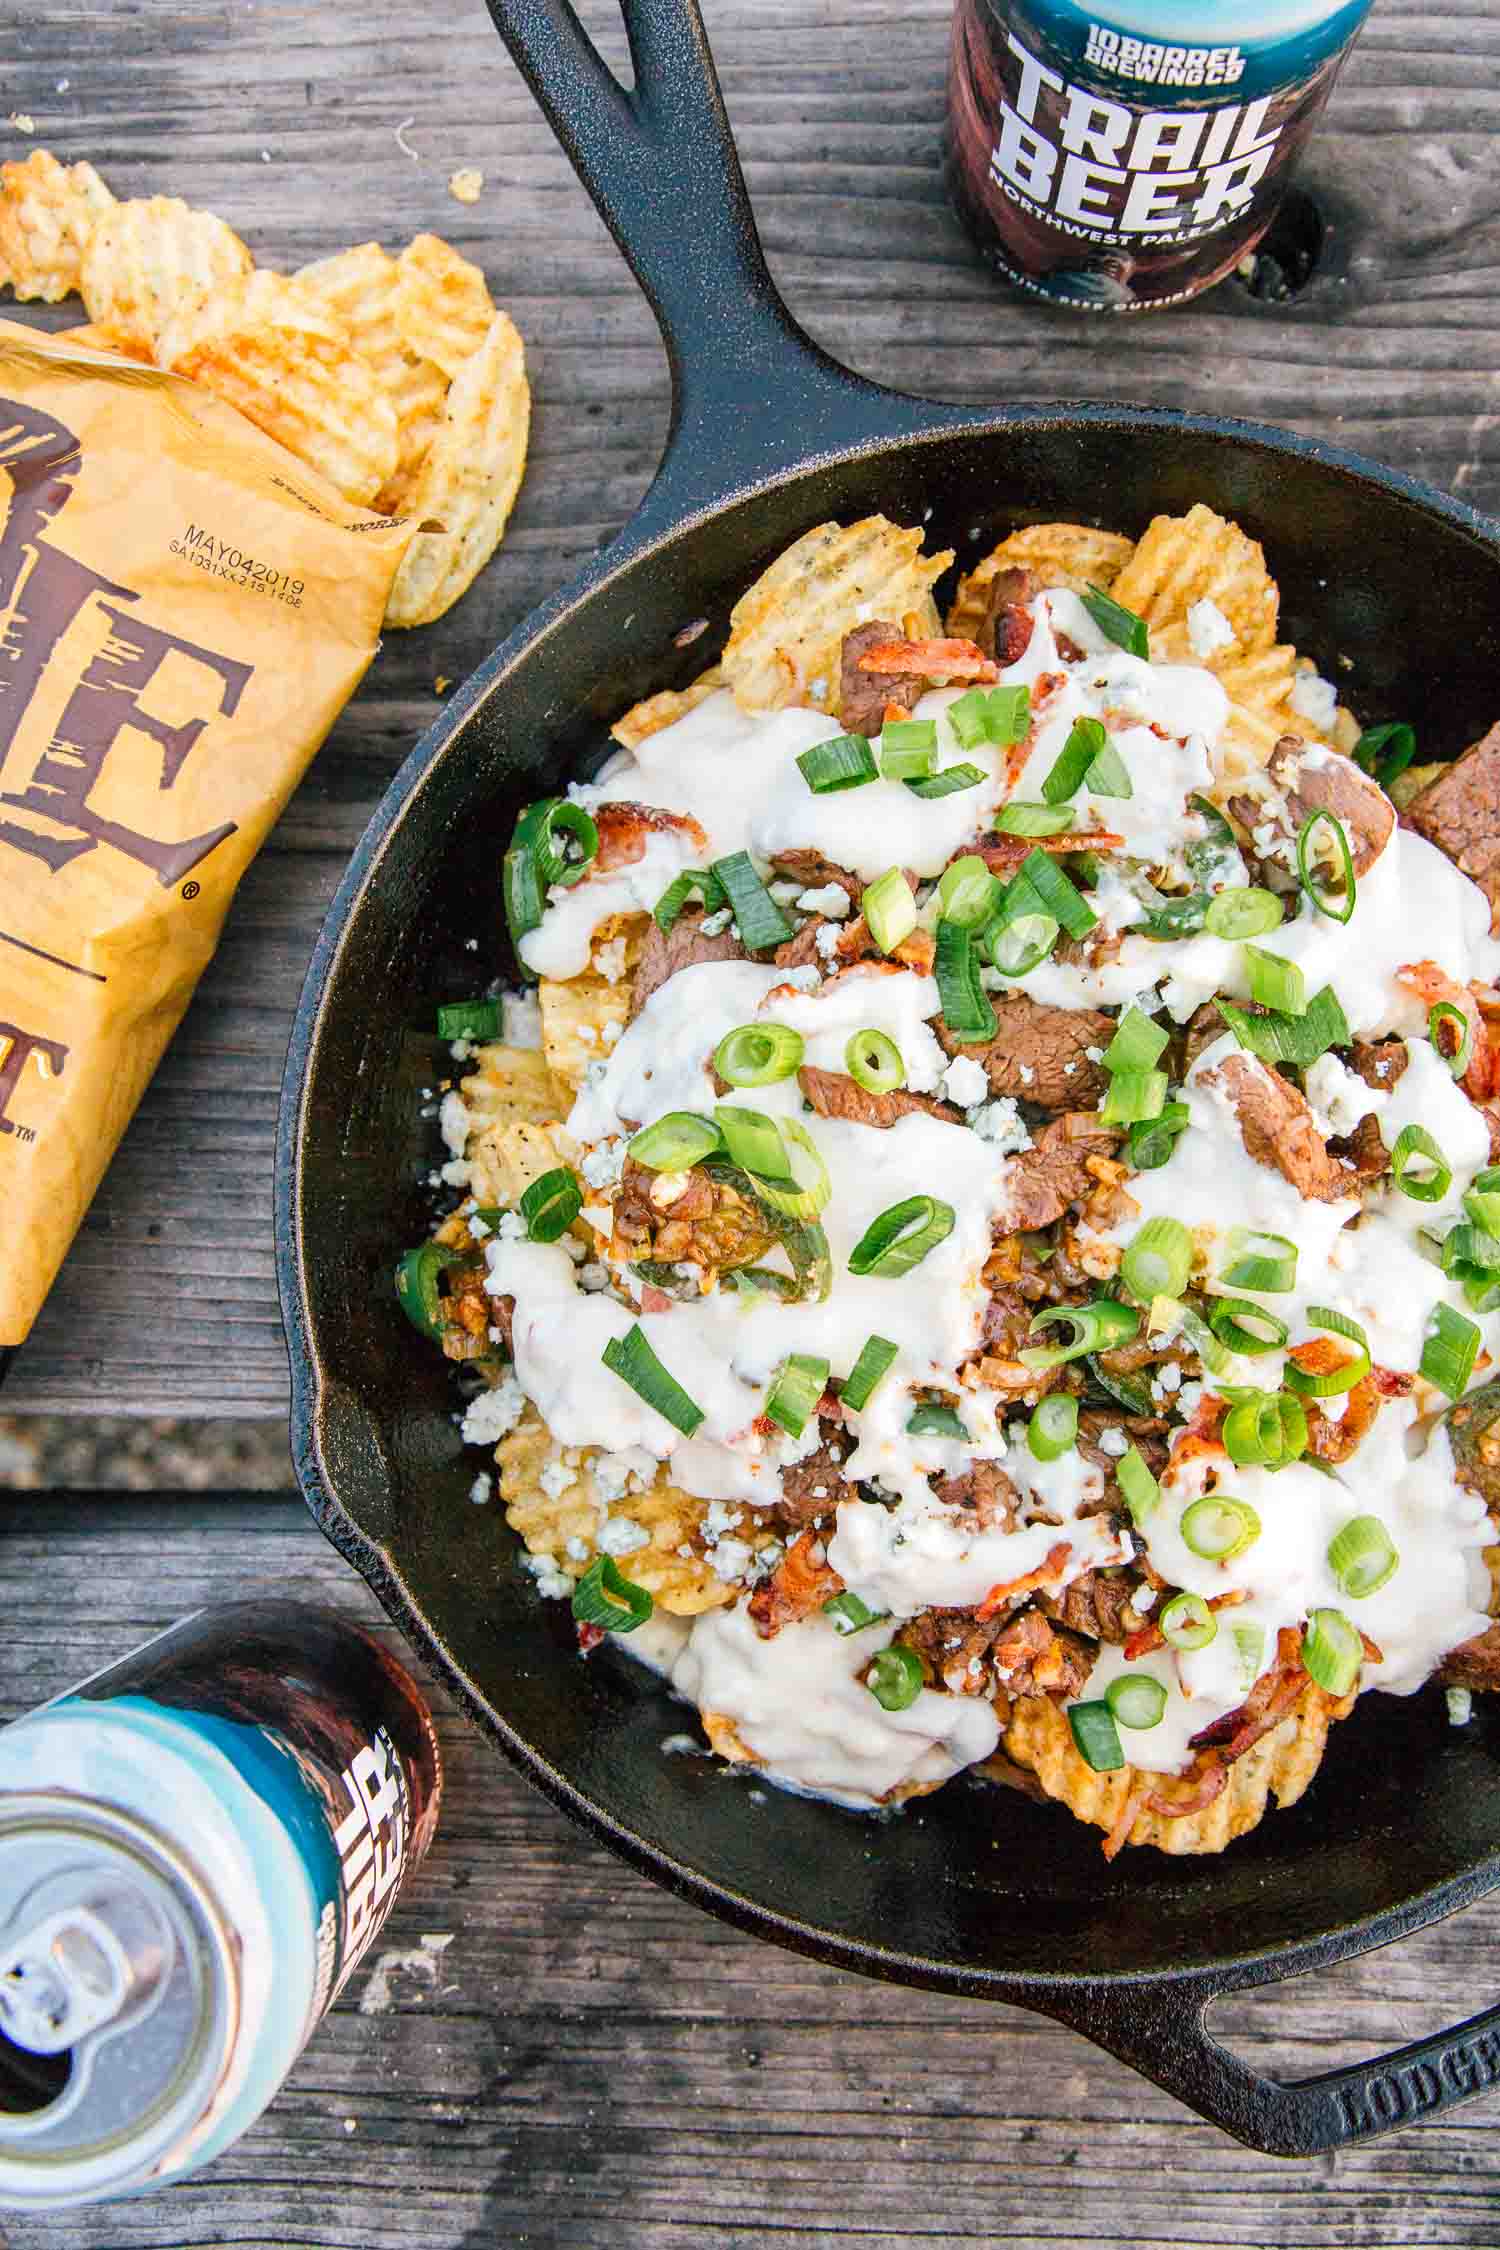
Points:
(184, 610)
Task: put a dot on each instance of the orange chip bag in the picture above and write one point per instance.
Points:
(184, 611)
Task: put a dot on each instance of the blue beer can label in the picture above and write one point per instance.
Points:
(1127, 156)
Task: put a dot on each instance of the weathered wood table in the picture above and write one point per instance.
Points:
(587, 2060)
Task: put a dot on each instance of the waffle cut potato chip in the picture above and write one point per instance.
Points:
(576, 1510)
(581, 1019)
(442, 304)
(361, 286)
(47, 213)
(103, 336)
(787, 631)
(1180, 560)
(153, 262)
(272, 350)
(643, 720)
(468, 480)
(1057, 554)
(513, 1082)
(1281, 1764)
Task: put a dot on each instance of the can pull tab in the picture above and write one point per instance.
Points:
(67, 1976)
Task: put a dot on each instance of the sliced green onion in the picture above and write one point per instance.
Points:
(971, 719)
(1054, 895)
(1091, 1328)
(1455, 1056)
(1219, 1527)
(1140, 1488)
(1175, 917)
(1228, 1317)
(792, 1399)
(1138, 1043)
(758, 1054)
(418, 1286)
(1152, 1139)
(1338, 905)
(1338, 1379)
(1398, 743)
(1186, 1621)
(1279, 1037)
(1449, 1351)
(889, 909)
(555, 841)
(967, 892)
(1136, 1700)
(1010, 714)
(1020, 818)
(949, 781)
(1362, 1556)
(876, 1359)
(931, 1418)
(1053, 1428)
(1260, 1261)
(1265, 1429)
(873, 1060)
(847, 762)
(1332, 1651)
(1119, 624)
(1086, 738)
(848, 1614)
(1415, 1143)
(676, 1142)
(895, 1678)
(699, 880)
(1134, 1096)
(469, 1019)
(1017, 947)
(1242, 913)
(1158, 1261)
(1214, 1353)
(1250, 1647)
(761, 921)
(1094, 1731)
(551, 1204)
(1276, 983)
(1109, 776)
(604, 1596)
(807, 1190)
(754, 1142)
(1482, 1200)
(902, 1236)
(908, 749)
(1468, 1250)
(632, 1359)
(964, 1003)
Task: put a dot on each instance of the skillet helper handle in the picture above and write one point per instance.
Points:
(753, 395)
(1159, 2030)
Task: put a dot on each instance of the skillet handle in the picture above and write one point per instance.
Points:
(1158, 2028)
(753, 395)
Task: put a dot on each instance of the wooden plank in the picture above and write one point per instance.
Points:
(592, 2061)
(285, 119)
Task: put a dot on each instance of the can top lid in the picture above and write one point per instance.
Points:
(118, 1998)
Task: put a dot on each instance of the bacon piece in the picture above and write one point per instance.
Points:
(1002, 854)
(801, 1582)
(1210, 1784)
(625, 827)
(933, 660)
(1481, 1078)
(1151, 1636)
(1120, 1833)
(1009, 1588)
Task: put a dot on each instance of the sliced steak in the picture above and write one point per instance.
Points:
(625, 826)
(1460, 813)
(1048, 1178)
(1006, 1323)
(1004, 632)
(1031, 1657)
(683, 947)
(1198, 1034)
(813, 1488)
(1039, 1054)
(863, 696)
(985, 1492)
(1476, 1663)
(1097, 1604)
(1379, 1062)
(1335, 786)
(834, 1095)
(815, 873)
(1022, 1654)
(1364, 1150)
(1277, 1127)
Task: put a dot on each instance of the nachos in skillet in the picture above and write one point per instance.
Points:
(979, 1253)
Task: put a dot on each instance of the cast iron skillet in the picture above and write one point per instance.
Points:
(973, 1890)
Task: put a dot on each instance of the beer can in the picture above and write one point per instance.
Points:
(196, 1848)
(1123, 157)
